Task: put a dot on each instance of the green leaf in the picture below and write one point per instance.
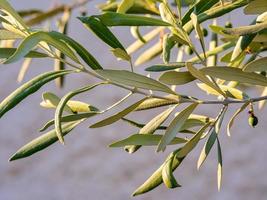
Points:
(167, 175)
(241, 45)
(235, 74)
(256, 7)
(61, 106)
(69, 118)
(199, 32)
(231, 122)
(219, 170)
(229, 91)
(101, 31)
(125, 5)
(144, 140)
(7, 52)
(43, 141)
(8, 35)
(203, 78)
(165, 67)
(175, 126)
(176, 78)
(191, 144)
(79, 49)
(121, 54)
(151, 103)
(155, 179)
(118, 19)
(210, 142)
(28, 88)
(33, 40)
(50, 100)
(246, 30)
(135, 80)
(117, 116)
(151, 127)
(8, 9)
(167, 44)
(256, 65)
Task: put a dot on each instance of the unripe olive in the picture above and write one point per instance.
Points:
(205, 32)
(252, 121)
(188, 50)
(228, 25)
(263, 73)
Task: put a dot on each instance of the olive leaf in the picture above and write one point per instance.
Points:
(176, 78)
(165, 67)
(175, 126)
(125, 5)
(117, 116)
(219, 168)
(256, 65)
(231, 122)
(61, 106)
(135, 80)
(152, 126)
(8, 52)
(255, 7)
(43, 141)
(28, 88)
(144, 140)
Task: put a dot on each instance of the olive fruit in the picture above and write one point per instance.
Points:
(228, 25)
(252, 121)
(188, 50)
(205, 32)
(263, 73)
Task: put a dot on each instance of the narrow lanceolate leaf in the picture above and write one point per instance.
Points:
(241, 45)
(191, 144)
(167, 44)
(144, 140)
(155, 179)
(231, 122)
(165, 67)
(125, 5)
(9, 10)
(121, 54)
(175, 126)
(199, 32)
(117, 116)
(8, 35)
(211, 140)
(167, 175)
(229, 91)
(69, 118)
(33, 40)
(61, 106)
(203, 78)
(256, 7)
(176, 78)
(135, 80)
(7, 52)
(101, 31)
(29, 88)
(118, 19)
(155, 102)
(246, 30)
(79, 49)
(256, 65)
(219, 169)
(50, 100)
(43, 141)
(235, 74)
(151, 127)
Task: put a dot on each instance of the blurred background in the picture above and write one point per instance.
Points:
(85, 168)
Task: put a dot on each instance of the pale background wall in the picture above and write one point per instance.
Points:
(86, 169)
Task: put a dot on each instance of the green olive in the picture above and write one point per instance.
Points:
(205, 32)
(253, 121)
(228, 25)
(263, 73)
(188, 50)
